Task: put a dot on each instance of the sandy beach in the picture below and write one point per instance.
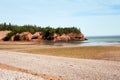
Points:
(69, 68)
(60, 40)
(18, 60)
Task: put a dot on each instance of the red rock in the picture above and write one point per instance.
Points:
(12, 38)
(27, 36)
(38, 36)
(70, 36)
(81, 36)
(63, 37)
(1, 40)
(24, 36)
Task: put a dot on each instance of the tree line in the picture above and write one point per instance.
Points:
(46, 31)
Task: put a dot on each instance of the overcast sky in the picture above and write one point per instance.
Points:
(94, 17)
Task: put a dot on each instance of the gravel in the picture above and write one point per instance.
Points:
(14, 75)
(71, 68)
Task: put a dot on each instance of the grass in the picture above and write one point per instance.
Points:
(87, 52)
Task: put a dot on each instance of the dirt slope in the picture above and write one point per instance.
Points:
(3, 34)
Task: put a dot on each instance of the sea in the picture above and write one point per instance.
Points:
(92, 41)
(101, 40)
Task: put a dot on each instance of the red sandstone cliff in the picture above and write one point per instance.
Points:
(37, 36)
(70, 36)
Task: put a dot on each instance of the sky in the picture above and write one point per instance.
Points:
(93, 17)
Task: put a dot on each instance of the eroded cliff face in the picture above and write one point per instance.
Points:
(26, 36)
(38, 36)
(70, 36)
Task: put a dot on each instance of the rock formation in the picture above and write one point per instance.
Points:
(12, 38)
(37, 36)
(24, 36)
(27, 36)
(70, 36)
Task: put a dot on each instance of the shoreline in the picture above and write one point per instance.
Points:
(60, 62)
(109, 52)
(65, 43)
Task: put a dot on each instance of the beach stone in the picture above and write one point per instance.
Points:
(14, 75)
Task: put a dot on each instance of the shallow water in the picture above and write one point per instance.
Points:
(102, 40)
(92, 41)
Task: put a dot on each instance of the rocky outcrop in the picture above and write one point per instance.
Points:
(63, 37)
(70, 36)
(75, 36)
(37, 36)
(12, 38)
(24, 36)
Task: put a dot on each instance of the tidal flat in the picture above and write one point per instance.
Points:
(85, 52)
